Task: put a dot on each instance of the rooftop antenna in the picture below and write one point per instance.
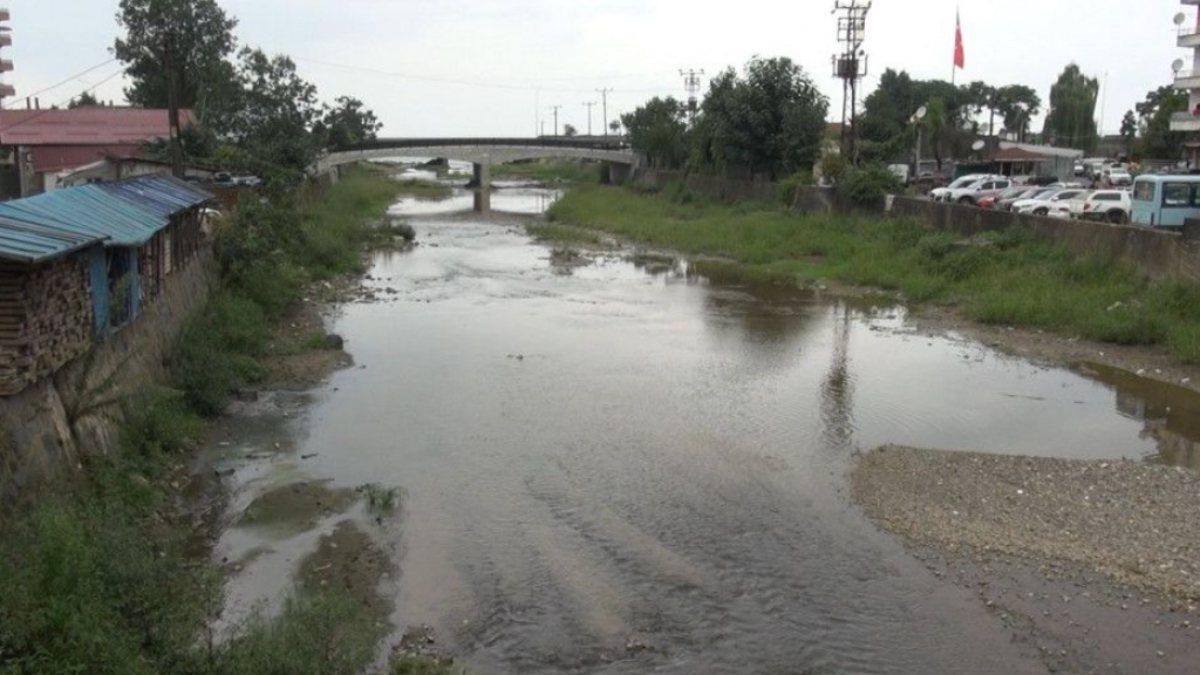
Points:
(850, 66)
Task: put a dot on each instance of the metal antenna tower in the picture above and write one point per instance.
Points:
(6, 90)
(604, 106)
(691, 82)
(850, 66)
(556, 108)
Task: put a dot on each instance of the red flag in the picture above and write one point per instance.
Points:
(960, 54)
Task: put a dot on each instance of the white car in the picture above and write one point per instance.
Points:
(1115, 206)
(1117, 176)
(971, 194)
(1057, 202)
(941, 194)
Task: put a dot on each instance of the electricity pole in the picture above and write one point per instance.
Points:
(590, 105)
(691, 82)
(556, 108)
(851, 66)
(604, 103)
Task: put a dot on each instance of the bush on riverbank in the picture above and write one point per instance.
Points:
(1004, 278)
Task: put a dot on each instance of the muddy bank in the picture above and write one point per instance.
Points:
(1096, 563)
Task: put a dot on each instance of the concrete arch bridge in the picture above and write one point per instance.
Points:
(484, 153)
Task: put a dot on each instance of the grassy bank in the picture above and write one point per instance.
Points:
(103, 577)
(1001, 278)
(550, 172)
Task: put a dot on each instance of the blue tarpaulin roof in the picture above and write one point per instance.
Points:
(125, 213)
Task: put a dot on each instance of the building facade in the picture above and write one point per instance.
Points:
(1188, 79)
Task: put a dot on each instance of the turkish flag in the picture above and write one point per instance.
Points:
(960, 54)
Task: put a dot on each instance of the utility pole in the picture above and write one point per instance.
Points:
(6, 90)
(173, 104)
(691, 82)
(590, 105)
(556, 108)
(604, 103)
(850, 66)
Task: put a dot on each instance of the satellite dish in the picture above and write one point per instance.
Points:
(978, 145)
(922, 112)
(1180, 18)
(1177, 65)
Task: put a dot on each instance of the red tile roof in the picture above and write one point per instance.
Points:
(53, 158)
(85, 126)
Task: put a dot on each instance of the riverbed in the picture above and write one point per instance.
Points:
(630, 462)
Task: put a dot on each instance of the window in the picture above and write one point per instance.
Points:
(1003, 185)
(987, 186)
(1143, 191)
(1177, 194)
(1066, 194)
(1106, 197)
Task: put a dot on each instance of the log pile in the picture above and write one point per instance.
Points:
(45, 320)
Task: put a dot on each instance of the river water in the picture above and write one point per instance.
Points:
(632, 465)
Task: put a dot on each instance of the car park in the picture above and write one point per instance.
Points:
(941, 194)
(1114, 206)
(1117, 176)
(1057, 201)
(980, 189)
(1005, 199)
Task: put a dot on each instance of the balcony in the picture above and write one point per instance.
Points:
(1185, 121)
(1188, 79)
(1189, 37)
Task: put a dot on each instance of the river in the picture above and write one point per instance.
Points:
(631, 465)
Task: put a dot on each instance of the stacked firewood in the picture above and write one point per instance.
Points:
(46, 320)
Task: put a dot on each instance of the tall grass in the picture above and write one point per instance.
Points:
(1005, 278)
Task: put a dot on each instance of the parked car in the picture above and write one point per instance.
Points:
(1010, 193)
(1165, 201)
(223, 179)
(940, 194)
(1115, 206)
(1117, 176)
(1006, 203)
(248, 181)
(980, 189)
(1042, 205)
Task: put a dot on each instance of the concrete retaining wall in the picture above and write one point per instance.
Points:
(44, 429)
(1159, 254)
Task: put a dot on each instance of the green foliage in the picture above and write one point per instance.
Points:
(787, 186)
(159, 423)
(1071, 121)
(325, 633)
(1017, 104)
(548, 171)
(347, 122)
(769, 121)
(381, 499)
(86, 99)
(1158, 141)
(1007, 278)
(416, 665)
(867, 186)
(658, 130)
(194, 35)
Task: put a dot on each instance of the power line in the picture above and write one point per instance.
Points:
(72, 78)
(54, 106)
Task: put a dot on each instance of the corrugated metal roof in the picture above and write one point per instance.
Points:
(126, 213)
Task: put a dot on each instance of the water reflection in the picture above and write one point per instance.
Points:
(1171, 413)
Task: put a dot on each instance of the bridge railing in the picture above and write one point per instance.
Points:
(590, 143)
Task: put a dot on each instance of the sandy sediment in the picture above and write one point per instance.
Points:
(1131, 521)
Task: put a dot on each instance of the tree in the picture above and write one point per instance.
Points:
(769, 121)
(658, 130)
(615, 127)
(1017, 104)
(1071, 121)
(85, 100)
(348, 122)
(569, 130)
(1129, 130)
(188, 40)
(1158, 141)
(273, 114)
(936, 124)
(977, 97)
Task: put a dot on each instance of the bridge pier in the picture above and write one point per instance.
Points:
(617, 174)
(482, 181)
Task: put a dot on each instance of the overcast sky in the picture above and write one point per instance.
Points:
(493, 67)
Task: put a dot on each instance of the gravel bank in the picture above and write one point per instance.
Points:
(1130, 521)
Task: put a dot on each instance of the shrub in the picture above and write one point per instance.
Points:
(867, 186)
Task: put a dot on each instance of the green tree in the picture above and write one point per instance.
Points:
(1017, 104)
(570, 130)
(770, 121)
(271, 114)
(1129, 130)
(977, 97)
(184, 40)
(1158, 141)
(1071, 121)
(348, 122)
(85, 100)
(614, 127)
(659, 131)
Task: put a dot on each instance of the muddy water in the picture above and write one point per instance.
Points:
(630, 464)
